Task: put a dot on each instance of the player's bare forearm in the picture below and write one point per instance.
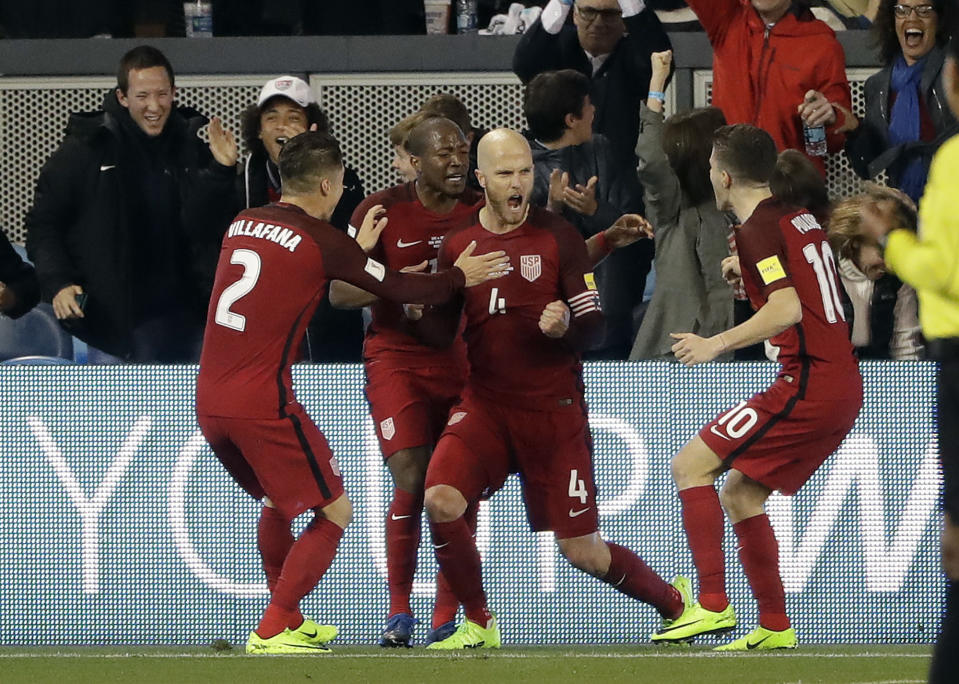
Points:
(346, 296)
(780, 311)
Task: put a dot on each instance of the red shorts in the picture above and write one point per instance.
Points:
(410, 405)
(286, 459)
(551, 450)
(778, 439)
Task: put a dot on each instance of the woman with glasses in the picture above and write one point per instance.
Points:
(907, 118)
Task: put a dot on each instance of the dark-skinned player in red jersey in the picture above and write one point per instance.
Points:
(411, 386)
(776, 439)
(522, 409)
(275, 263)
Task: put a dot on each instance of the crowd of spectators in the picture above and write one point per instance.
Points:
(128, 212)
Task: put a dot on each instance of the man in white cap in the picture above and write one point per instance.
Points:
(287, 107)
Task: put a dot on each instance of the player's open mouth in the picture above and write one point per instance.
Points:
(514, 201)
(282, 140)
(456, 178)
(914, 37)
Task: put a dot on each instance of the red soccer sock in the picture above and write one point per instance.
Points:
(630, 575)
(308, 560)
(274, 540)
(459, 561)
(402, 543)
(703, 522)
(446, 603)
(759, 554)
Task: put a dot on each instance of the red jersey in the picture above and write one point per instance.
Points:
(511, 361)
(782, 246)
(412, 235)
(275, 264)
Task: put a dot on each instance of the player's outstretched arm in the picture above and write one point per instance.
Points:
(627, 229)
(780, 311)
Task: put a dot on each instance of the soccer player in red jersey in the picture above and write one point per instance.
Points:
(779, 437)
(411, 386)
(275, 263)
(523, 408)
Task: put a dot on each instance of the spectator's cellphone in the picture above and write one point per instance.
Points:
(81, 300)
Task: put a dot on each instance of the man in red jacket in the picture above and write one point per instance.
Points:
(795, 69)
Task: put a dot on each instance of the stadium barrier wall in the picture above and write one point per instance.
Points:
(119, 526)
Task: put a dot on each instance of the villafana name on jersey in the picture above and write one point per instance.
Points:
(281, 235)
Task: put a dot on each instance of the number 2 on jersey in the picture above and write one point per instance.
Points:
(250, 261)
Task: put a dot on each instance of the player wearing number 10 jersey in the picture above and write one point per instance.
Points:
(275, 263)
(523, 408)
(778, 438)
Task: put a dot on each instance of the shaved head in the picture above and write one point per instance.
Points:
(498, 143)
(425, 134)
(505, 170)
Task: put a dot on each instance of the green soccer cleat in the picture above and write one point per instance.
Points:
(284, 643)
(470, 635)
(314, 633)
(695, 620)
(762, 639)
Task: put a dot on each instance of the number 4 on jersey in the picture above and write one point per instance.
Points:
(577, 488)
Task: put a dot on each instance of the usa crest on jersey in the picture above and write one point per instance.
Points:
(530, 266)
(388, 429)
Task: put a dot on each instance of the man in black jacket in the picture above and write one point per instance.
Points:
(576, 175)
(19, 289)
(127, 218)
(611, 43)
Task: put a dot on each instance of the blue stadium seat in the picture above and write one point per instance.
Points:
(36, 333)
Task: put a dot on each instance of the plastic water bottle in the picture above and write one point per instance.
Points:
(466, 17)
(815, 139)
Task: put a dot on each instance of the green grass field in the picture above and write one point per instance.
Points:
(582, 664)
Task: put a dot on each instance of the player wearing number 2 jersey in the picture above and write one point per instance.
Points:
(778, 438)
(522, 409)
(275, 263)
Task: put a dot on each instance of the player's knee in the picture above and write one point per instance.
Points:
(444, 503)
(586, 558)
(339, 512)
(684, 472)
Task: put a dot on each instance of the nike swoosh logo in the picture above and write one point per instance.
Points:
(716, 432)
(478, 644)
(399, 517)
(309, 636)
(107, 167)
(573, 514)
(664, 630)
(440, 546)
(401, 244)
(750, 646)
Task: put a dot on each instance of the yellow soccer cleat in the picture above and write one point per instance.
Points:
(762, 639)
(284, 643)
(470, 635)
(314, 633)
(695, 620)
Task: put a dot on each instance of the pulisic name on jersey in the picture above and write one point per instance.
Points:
(285, 237)
(805, 223)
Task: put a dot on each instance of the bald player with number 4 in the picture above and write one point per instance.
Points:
(275, 264)
(778, 438)
(522, 409)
